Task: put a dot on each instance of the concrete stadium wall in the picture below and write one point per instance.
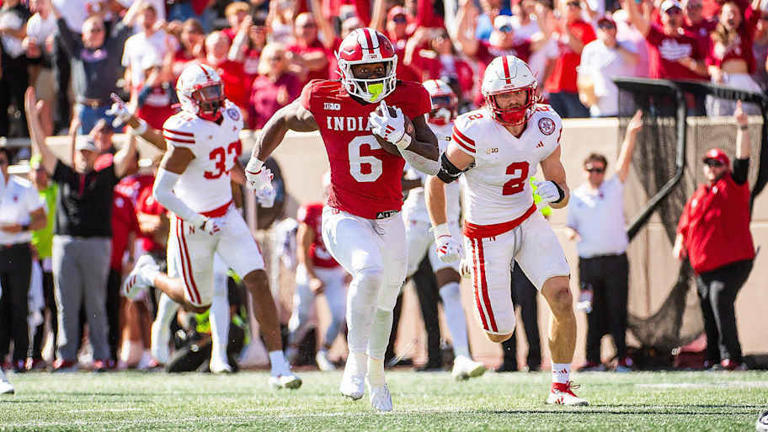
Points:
(653, 269)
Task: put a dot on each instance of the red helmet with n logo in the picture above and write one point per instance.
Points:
(367, 46)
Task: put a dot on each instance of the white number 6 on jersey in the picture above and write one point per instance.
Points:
(357, 161)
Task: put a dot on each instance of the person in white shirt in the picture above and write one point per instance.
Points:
(41, 30)
(596, 223)
(21, 212)
(602, 60)
(148, 42)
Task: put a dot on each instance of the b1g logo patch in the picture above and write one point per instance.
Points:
(234, 114)
(547, 126)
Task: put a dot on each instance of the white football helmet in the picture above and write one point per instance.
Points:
(444, 102)
(201, 91)
(509, 74)
(365, 46)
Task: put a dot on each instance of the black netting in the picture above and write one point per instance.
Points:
(666, 160)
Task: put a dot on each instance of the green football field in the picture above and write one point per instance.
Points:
(423, 402)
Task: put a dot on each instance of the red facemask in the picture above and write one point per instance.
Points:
(516, 115)
(210, 100)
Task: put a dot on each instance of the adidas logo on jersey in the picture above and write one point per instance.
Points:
(350, 124)
(330, 106)
(540, 145)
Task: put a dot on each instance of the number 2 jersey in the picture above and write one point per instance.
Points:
(365, 179)
(498, 189)
(205, 185)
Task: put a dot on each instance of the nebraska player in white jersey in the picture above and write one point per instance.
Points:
(421, 242)
(498, 148)
(361, 226)
(193, 182)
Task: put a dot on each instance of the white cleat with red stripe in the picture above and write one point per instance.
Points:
(141, 277)
(561, 394)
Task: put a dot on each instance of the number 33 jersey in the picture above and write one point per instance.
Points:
(497, 187)
(365, 179)
(205, 185)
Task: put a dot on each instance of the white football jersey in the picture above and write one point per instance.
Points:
(415, 206)
(205, 184)
(497, 187)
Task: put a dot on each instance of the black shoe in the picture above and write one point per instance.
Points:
(507, 366)
(430, 366)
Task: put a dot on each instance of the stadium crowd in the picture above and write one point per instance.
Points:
(74, 54)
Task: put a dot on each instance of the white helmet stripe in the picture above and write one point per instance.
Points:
(371, 42)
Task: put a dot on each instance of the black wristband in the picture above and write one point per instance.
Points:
(25, 227)
(559, 191)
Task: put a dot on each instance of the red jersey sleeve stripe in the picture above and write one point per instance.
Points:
(470, 142)
(189, 134)
(462, 144)
(178, 140)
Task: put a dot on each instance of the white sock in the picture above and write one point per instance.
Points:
(561, 372)
(219, 318)
(455, 318)
(279, 365)
(376, 371)
(357, 363)
(380, 331)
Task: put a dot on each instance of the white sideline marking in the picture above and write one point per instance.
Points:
(737, 384)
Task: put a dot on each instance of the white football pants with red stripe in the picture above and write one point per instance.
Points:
(374, 252)
(191, 253)
(535, 247)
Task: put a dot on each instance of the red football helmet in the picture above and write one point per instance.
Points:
(366, 46)
(509, 74)
(445, 104)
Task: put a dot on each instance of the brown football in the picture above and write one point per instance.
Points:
(386, 145)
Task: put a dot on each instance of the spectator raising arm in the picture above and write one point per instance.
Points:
(36, 134)
(628, 146)
(326, 34)
(636, 18)
(743, 142)
(465, 32)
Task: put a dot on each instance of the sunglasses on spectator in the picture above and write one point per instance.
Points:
(694, 6)
(400, 19)
(606, 26)
(574, 4)
(673, 11)
(506, 28)
(97, 29)
(595, 170)
(713, 163)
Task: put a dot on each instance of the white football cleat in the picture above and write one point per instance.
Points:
(5, 386)
(287, 380)
(140, 278)
(381, 400)
(465, 368)
(218, 366)
(352, 386)
(159, 349)
(323, 363)
(561, 394)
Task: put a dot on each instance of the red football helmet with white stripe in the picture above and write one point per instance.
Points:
(201, 91)
(366, 46)
(509, 74)
(444, 102)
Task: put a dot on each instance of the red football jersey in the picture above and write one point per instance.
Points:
(147, 204)
(365, 179)
(312, 215)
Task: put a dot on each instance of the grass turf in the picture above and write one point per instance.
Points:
(423, 401)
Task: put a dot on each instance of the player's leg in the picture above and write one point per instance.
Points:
(161, 327)
(303, 299)
(391, 240)
(542, 259)
(448, 281)
(240, 252)
(336, 296)
(490, 261)
(219, 318)
(353, 243)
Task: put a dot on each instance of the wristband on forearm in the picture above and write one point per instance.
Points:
(140, 130)
(561, 193)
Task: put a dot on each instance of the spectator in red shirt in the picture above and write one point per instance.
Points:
(157, 96)
(273, 88)
(695, 23)
(573, 34)
(124, 229)
(191, 48)
(397, 28)
(731, 60)
(236, 12)
(673, 53)
(231, 72)
(307, 49)
(248, 44)
(713, 233)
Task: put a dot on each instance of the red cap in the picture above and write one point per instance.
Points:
(395, 11)
(718, 155)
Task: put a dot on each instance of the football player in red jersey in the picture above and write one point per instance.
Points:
(361, 226)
